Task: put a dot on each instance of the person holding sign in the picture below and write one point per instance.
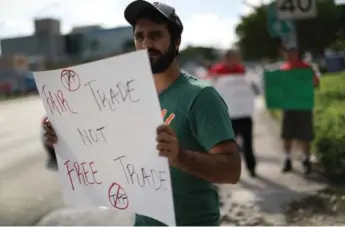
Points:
(297, 124)
(229, 65)
(243, 126)
(197, 136)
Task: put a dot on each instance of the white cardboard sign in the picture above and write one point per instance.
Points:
(105, 115)
(237, 94)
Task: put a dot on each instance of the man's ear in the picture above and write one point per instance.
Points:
(178, 43)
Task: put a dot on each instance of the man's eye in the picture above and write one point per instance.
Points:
(138, 38)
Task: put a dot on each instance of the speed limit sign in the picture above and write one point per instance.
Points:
(295, 9)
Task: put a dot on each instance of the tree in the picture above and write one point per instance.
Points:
(318, 33)
(314, 34)
(254, 40)
(339, 43)
(199, 54)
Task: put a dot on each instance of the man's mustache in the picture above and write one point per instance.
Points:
(153, 51)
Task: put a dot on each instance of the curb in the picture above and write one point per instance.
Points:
(7, 101)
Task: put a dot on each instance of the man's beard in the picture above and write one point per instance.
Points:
(161, 63)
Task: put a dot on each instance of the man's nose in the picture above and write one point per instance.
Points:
(147, 43)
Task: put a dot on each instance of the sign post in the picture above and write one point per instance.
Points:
(285, 29)
(276, 26)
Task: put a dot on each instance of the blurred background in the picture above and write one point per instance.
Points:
(40, 35)
(43, 35)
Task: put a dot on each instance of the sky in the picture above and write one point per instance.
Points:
(208, 23)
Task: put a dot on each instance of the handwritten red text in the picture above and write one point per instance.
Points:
(56, 101)
(84, 172)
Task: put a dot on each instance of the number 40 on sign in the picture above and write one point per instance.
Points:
(295, 9)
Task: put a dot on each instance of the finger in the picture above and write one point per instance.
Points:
(164, 153)
(165, 128)
(49, 143)
(48, 129)
(50, 126)
(165, 137)
(162, 146)
(47, 122)
(50, 137)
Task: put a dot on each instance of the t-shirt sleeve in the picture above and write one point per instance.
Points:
(209, 119)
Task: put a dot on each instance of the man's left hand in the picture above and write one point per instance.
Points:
(167, 144)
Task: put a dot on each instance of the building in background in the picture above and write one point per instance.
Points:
(84, 29)
(44, 43)
(95, 42)
(83, 43)
(108, 41)
(47, 48)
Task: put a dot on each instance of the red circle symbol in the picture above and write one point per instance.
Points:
(70, 80)
(117, 197)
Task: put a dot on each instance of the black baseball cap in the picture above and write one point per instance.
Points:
(136, 7)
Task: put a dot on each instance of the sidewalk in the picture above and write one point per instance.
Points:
(262, 199)
(251, 202)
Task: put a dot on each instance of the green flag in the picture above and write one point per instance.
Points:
(289, 90)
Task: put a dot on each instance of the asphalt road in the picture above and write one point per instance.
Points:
(30, 192)
(29, 185)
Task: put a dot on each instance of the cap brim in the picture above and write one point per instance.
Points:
(135, 8)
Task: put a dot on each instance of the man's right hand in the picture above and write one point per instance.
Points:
(49, 133)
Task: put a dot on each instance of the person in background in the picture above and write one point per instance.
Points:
(230, 65)
(297, 124)
(243, 127)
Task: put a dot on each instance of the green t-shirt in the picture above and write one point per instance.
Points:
(200, 119)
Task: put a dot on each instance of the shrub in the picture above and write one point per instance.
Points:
(329, 144)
